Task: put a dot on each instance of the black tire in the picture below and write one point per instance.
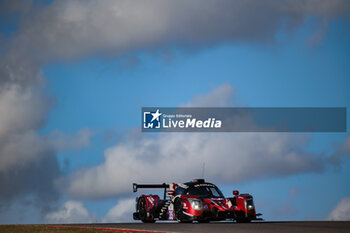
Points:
(181, 218)
(141, 207)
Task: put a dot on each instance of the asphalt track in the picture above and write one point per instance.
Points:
(261, 227)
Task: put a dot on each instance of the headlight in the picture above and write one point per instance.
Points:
(249, 204)
(195, 203)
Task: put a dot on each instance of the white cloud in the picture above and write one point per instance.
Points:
(70, 212)
(64, 141)
(179, 157)
(27, 157)
(69, 29)
(22, 113)
(168, 157)
(75, 212)
(341, 151)
(221, 96)
(341, 211)
(121, 212)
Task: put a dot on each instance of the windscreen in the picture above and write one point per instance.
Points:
(204, 190)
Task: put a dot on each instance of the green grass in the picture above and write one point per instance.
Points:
(47, 229)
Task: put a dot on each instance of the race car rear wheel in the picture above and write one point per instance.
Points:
(141, 207)
(180, 216)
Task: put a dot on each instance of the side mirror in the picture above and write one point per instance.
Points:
(235, 192)
(171, 192)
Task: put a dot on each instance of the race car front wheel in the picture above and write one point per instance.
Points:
(180, 216)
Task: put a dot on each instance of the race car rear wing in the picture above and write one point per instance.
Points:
(151, 186)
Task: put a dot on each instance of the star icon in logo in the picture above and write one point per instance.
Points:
(156, 115)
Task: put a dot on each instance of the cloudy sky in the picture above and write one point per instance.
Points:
(75, 74)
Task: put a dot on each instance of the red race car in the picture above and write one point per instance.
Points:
(195, 200)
